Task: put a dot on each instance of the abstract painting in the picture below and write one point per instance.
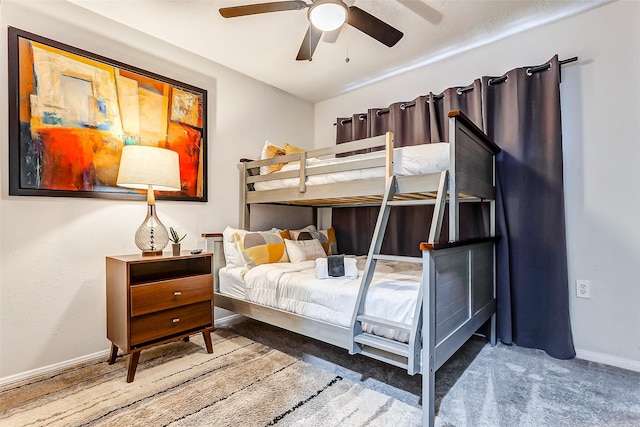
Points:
(71, 112)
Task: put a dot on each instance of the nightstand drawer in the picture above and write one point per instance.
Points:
(153, 326)
(153, 297)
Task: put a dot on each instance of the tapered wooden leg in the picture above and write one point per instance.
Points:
(207, 340)
(113, 354)
(133, 364)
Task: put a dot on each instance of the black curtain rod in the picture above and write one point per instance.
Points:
(568, 60)
(461, 90)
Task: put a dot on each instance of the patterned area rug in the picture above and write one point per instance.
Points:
(483, 386)
(242, 383)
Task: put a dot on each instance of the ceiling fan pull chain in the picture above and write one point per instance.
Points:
(347, 58)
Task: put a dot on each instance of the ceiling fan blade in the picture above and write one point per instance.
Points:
(424, 11)
(309, 44)
(254, 9)
(369, 24)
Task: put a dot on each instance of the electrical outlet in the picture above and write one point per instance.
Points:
(583, 288)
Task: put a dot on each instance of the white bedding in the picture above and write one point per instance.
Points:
(231, 281)
(294, 288)
(412, 160)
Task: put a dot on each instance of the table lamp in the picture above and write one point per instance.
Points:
(150, 168)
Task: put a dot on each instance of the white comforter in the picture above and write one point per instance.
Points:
(294, 288)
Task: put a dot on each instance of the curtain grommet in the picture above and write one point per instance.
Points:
(461, 90)
(498, 80)
(533, 70)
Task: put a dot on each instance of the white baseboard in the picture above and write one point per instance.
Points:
(607, 359)
(52, 368)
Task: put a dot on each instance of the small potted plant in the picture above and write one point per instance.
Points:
(176, 239)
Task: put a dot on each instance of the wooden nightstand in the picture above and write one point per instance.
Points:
(155, 300)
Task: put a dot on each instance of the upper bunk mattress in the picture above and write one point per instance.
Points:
(293, 287)
(412, 160)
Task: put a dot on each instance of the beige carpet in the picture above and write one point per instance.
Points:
(243, 383)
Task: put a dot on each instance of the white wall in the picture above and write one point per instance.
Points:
(52, 250)
(600, 107)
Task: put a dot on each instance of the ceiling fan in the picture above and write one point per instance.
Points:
(323, 15)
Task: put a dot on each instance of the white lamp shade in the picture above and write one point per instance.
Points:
(142, 165)
(328, 15)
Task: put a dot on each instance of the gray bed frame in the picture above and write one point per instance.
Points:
(457, 294)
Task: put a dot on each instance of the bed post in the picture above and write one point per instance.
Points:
(428, 338)
(388, 165)
(493, 333)
(454, 207)
(215, 245)
(244, 207)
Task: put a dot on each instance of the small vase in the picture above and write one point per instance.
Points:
(175, 248)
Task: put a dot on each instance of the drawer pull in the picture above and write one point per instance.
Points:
(176, 320)
(177, 293)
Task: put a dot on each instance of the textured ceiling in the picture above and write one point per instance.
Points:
(265, 46)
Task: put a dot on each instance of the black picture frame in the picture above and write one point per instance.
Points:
(58, 147)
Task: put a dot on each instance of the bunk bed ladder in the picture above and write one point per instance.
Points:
(405, 355)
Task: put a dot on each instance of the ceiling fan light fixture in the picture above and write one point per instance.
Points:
(328, 15)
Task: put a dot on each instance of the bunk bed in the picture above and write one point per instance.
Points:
(456, 291)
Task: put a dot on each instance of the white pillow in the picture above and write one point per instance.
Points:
(269, 151)
(231, 252)
(304, 250)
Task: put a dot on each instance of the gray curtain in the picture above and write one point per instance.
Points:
(520, 111)
(522, 115)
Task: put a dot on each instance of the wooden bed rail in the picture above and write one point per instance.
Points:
(381, 141)
(427, 247)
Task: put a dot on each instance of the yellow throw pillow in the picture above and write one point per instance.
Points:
(261, 248)
(331, 246)
(269, 151)
(292, 149)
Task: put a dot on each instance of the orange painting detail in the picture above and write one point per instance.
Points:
(68, 156)
(186, 141)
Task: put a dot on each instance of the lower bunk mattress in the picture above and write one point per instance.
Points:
(293, 287)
